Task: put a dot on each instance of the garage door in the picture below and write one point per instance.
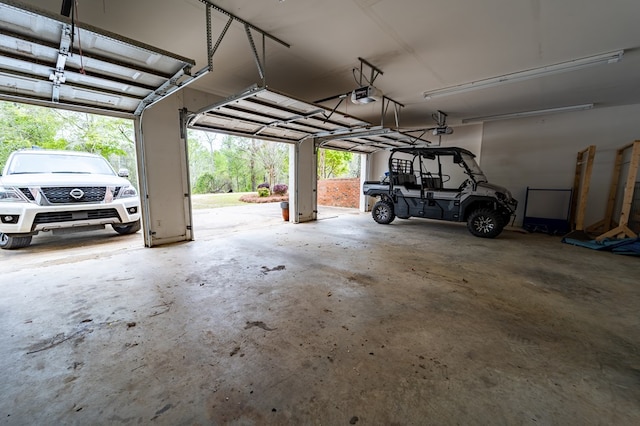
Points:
(47, 59)
(263, 113)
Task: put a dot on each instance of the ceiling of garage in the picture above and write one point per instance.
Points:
(419, 45)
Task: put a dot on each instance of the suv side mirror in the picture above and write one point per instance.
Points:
(123, 173)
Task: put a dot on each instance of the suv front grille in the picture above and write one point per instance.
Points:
(52, 217)
(27, 194)
(62, 195)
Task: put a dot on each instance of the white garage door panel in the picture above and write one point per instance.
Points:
(166, 182)
(263, 113)
(46, 58)
(249, 128)
(15, 68)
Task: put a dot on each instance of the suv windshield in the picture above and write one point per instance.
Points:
(25, 163)
(473, 169)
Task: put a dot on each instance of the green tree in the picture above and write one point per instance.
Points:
(332, 163)
(235, 151)
(199, 157)
(113, 138)
(274, 159)
(236, 163)
(25, 126)
(97, 134)
(205, 184)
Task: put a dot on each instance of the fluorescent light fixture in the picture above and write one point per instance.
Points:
(527, 113)
(576, 64)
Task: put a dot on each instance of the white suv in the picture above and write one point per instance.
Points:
(63, 191)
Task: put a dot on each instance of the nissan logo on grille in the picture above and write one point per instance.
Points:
(76, 193)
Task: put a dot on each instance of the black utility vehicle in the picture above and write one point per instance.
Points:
(442, 183)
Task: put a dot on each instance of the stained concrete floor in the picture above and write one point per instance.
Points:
(341, 321)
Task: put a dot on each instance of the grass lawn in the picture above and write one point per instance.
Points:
(229, 199)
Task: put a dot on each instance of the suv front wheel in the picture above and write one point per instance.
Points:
(10, 243)
(127, 228)
(485, 223)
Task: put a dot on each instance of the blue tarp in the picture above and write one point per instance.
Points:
(628, 246)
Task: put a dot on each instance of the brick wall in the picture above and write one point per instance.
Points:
(339, 192)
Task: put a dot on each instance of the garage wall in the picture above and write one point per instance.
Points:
(340, 192)
(541, 152)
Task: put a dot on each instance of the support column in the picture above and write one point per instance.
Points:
(365, 200)
(303, 182)
(164, 182)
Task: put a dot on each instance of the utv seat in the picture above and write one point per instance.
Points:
(407, 180)
(431, 182)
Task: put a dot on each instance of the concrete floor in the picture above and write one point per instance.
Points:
(341, 321)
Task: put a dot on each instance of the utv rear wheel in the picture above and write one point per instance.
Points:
(127, 228)
(485, 223)
(383, 212)
(11, 243)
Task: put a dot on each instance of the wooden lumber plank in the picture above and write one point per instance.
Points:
(584, 189)
(631, 183)
(613, 190)
(576, 189)
(623, 229)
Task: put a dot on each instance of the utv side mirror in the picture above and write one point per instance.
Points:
(123, 173)
(457, 159)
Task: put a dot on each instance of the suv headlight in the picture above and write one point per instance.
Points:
(128, 192)
(10, 195)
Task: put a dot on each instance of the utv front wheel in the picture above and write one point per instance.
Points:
(485, 223)
(383, 212)
(11, 243)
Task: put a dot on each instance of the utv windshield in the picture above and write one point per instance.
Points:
(474, 169)
(25, 163)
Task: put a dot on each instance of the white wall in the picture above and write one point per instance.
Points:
(541, 152)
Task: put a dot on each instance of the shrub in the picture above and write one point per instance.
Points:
(264, 185)
(280, 189)
(205, 184)
(263, 192)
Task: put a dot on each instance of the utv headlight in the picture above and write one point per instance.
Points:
(10, 195)
(128, 192)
